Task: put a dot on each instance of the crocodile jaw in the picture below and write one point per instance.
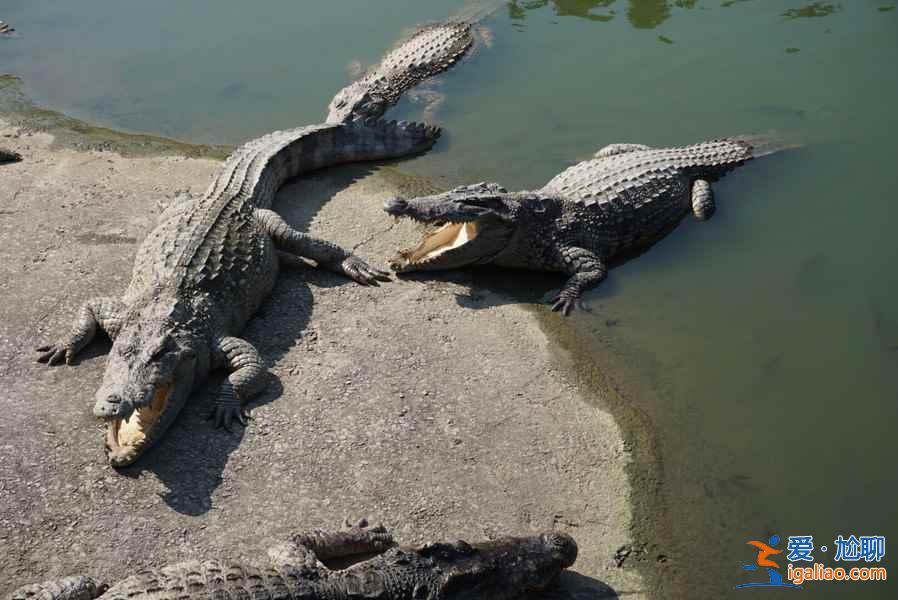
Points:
(126, 439)
(435, 243)
(455, 245)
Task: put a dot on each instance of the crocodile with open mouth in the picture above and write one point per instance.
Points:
(611, 207)
(504, 568)
(210, 262)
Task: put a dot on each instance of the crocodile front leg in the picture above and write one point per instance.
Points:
(309, 548)
(328, 255)
(703, 205)
(246, 380)
(586, 270)
(102, 313)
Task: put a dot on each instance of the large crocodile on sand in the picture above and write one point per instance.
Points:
(211, 261)
(500, 569)
(598, 211)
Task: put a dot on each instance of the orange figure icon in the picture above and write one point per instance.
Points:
(763, 552)
(774, 579)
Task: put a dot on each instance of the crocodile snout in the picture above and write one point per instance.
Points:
(564, 545)
(395, 206)
(110, 407)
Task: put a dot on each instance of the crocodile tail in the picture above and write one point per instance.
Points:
(762, 144)
(431, 50)
(67, 588)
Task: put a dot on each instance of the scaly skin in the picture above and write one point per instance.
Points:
(500, 569)
(210, 262)
(597, 212)
(9, 156)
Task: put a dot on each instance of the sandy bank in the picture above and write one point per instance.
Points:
(396, 402)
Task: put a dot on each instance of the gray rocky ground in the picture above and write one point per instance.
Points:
(443, 419)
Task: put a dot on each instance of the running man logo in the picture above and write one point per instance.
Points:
(774, 579)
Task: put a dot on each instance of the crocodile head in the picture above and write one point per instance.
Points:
(149, 375)
(471, 225)
(504, 568)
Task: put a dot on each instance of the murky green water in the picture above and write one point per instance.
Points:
(767, 337)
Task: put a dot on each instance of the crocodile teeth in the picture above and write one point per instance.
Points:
(126, 437)
(448, 237)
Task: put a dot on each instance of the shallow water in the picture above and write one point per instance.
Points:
(768, 337)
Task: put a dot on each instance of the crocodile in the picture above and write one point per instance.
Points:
(7, 156)
(209, 263)
(595, 213)
(504, 568)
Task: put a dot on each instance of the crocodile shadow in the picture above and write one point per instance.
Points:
(489, 286)
(574, 586)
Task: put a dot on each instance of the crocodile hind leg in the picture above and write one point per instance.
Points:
(586, 270)
(246, 380)
(68, 588)
(102, 313)
(309, 548)
(326, 254)
(612, 149)
(703, 205)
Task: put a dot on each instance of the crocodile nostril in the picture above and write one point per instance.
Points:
(108, 406)
(395, 205)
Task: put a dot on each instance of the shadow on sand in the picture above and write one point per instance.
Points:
(574, 586)
(489, 286)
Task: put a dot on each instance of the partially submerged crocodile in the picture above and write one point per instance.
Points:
(598, 211)
(211, 261)
(499, 569)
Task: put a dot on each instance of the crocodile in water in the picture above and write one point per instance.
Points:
(598, 211)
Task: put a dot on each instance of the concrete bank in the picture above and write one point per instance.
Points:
(397, 402)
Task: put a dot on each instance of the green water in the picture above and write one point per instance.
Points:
(765, 341)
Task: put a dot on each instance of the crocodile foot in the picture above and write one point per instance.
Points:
(361, 272)
(566, 301)
(56, 353)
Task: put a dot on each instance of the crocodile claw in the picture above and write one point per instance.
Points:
(224, 415)
(361, 272)
(54, 354)
(565, 303)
